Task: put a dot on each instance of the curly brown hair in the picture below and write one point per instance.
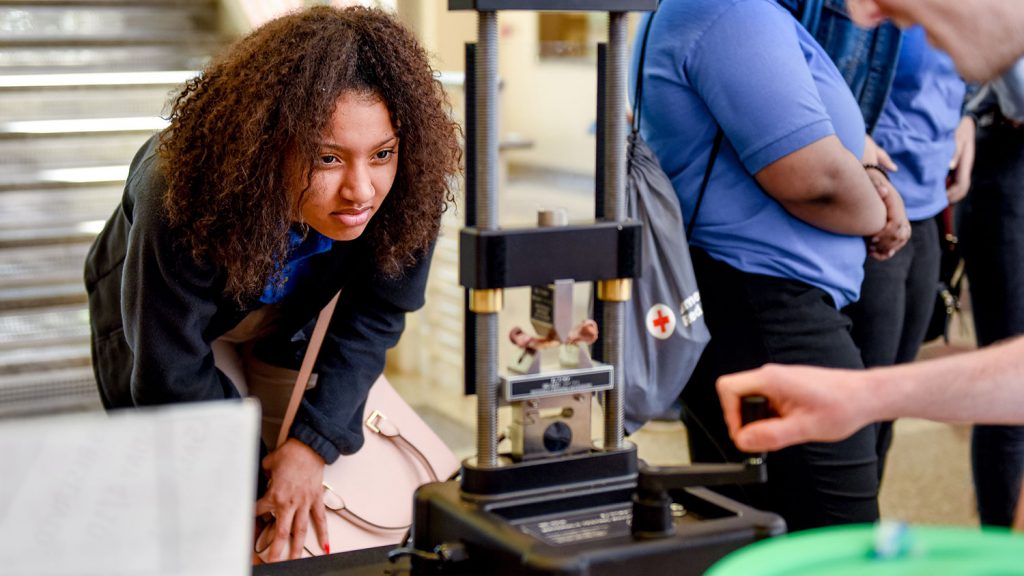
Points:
(274, 92)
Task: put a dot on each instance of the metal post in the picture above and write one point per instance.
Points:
(615, 209)
(487, 219)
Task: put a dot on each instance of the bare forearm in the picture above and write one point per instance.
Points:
(984, 386)
(824, 185)
(846, 204)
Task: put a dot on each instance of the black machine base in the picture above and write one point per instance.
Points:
(575, 529)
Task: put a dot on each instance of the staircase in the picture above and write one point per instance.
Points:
(83, 84)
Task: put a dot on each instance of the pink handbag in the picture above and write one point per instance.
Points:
(369, 495)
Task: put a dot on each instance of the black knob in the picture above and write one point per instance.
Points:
(753, 408)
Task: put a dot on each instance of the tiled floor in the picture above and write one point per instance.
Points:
(928, 475)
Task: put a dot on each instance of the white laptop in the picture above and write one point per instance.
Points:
(160, 491)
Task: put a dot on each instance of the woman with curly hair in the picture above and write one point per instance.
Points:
(315, 154)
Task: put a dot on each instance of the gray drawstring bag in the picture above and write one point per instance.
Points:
(665, 332)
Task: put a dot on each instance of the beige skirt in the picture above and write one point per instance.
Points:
(271, 385)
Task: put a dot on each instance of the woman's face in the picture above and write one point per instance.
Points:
(355, 167)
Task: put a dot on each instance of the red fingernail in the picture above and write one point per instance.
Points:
(327, 548)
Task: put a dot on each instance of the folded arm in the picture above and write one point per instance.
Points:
(825, 185)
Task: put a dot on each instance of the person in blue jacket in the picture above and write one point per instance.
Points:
(779, 240)
(315, 154)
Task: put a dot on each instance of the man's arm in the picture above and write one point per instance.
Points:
(819, 404)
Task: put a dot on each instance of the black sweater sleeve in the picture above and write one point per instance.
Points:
(167, 304)
(368, 321)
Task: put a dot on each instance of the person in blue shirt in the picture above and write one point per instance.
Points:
(314, 155)
(992, 241)
(923, 134)
(778, 243)
(980, 386)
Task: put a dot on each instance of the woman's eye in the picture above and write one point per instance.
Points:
(328, 159)
(384, 154)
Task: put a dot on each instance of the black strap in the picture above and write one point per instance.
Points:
(638, 97)
(704, 183)
(638, 93)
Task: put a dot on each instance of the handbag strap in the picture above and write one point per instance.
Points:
(306, 371)
(380, 424)
(638, 109)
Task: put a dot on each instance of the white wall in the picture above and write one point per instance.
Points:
(552, 103)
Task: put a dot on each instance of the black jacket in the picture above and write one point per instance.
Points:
(155, 312)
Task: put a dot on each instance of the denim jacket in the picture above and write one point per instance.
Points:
(866, 58)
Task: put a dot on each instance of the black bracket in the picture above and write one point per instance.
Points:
(490, 259)
(652, 504)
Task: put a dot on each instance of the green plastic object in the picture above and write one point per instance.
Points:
(862, 549)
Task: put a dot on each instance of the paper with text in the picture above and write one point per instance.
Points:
(156, 491)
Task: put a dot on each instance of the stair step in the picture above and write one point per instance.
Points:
(56, 96)
(37, 59)
(21, 297)
(49, 357)
(60, 24)
(82, 233)
(74, 102)
(32, 178)
(82, 206)
(41, 265)
(57, 326)
(67, 127)
(55, 151)
(28, 178)
(93, 79)
(48, 392)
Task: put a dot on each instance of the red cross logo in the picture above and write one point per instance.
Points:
(661, 321)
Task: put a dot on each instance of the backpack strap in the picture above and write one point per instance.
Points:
(715, 146)
(808, 12)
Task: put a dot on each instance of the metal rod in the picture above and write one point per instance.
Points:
(615, 119)
(615, 209)
(469, 317)
(486, 86)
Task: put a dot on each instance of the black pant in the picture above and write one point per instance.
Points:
(992, 237)
(754, 320)
(896, 302)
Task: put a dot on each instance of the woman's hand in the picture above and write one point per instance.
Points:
(963, 161)
(294, 497)
(875, 154)
(896, 232)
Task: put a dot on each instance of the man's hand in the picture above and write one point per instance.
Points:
(811, 404)
(896, 232)
(294, 497)
(963, 161)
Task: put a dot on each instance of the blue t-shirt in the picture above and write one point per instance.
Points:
(300, 250)
(750, 66)
(918, 122)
